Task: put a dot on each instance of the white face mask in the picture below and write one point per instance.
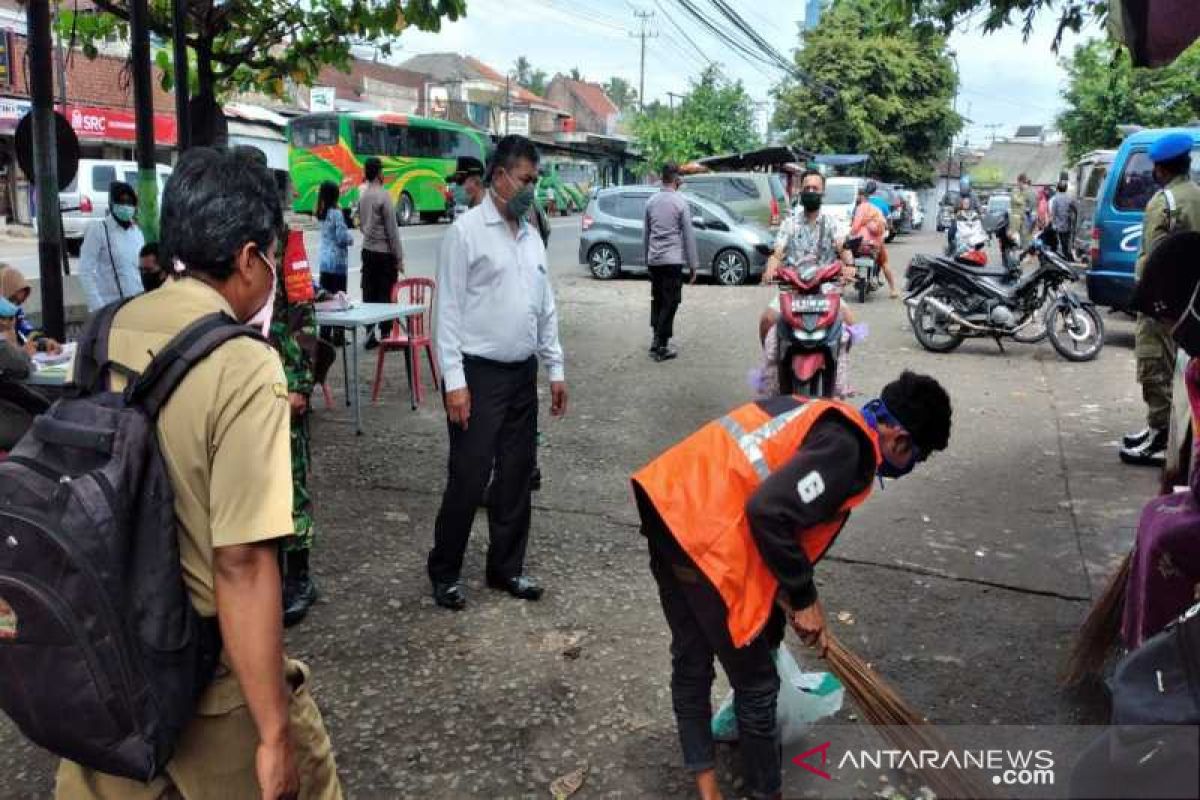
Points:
(262, 318)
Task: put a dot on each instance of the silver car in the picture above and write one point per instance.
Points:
(732, 248)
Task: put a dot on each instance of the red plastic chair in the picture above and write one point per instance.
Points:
(417, 291)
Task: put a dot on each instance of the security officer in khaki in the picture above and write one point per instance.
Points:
(1174, 208)
(257, 733)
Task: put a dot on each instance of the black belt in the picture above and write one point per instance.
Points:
(488, 362)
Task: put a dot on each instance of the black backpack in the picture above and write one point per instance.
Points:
(1151, 749)
(102, 656)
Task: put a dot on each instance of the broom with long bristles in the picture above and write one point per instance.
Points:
(902, 726)
(1100, 631)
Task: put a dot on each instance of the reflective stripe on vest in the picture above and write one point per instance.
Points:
(751, 442)
(700, 488)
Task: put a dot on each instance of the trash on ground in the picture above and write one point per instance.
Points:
(564, 786)
(804, 698)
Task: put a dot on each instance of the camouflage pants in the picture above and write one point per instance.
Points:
(1155, 352)
(302, 521)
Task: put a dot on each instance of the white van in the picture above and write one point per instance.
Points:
(841, 194)
(86, 198)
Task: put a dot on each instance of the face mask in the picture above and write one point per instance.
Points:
(123, 213)
(810, 200)
(518, 205)
(153, 280)
(875, 412)
(1186, 332)
(262, 319)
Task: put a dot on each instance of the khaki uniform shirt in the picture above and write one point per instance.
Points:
(224, 436)
(1158, 224)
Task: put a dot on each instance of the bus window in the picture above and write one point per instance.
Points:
(422, 143)
(456, 144)
(314, 132)
(396, 140)
(365, 138)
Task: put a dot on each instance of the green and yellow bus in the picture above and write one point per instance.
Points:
(418, 156)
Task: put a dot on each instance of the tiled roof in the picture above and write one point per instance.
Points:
(593, 96)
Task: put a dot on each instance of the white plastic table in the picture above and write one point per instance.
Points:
(358, 316)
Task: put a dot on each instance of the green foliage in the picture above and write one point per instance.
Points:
(532, 79)
(873, 85)
(1104, 90)
(715, 117)
(576, 75)
(944, 14)
(263, 44)
(622, 93)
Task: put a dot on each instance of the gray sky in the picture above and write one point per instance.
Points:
(1005, 81)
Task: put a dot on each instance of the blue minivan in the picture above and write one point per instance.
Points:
(1117, 228)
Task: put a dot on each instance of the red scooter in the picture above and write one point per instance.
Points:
(810, 328)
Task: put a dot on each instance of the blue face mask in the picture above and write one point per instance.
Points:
(874, 413)
(123, 213)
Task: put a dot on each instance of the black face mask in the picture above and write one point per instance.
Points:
(811, 201)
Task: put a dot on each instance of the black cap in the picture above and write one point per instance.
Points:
(465, 167)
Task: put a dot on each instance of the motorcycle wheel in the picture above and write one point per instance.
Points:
(1076, 333)
(931, 327)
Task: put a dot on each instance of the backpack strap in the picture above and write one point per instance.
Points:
(92, 364)
(189, 347)
(1172, 208)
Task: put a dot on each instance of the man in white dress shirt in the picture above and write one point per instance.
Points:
(495, 320)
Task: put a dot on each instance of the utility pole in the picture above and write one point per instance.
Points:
(507, 101)
(143, 109)
(671, 99)
(183, 121)
(993, 128)
(45, 167)
(644, 17)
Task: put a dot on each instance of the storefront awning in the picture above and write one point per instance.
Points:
(755, 159)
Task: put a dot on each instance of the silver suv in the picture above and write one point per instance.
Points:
(732, 248)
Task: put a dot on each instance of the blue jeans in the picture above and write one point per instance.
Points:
(696, 615)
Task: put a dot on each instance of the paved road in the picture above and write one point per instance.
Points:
(962, 583)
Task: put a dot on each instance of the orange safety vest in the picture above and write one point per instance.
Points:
(700, 488)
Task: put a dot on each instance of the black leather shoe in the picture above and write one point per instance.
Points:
(535, 480)
(450, 595)
(299, 594)
(520, 587)
(665, 353)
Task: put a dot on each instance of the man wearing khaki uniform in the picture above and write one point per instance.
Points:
(224, 436)
(1174, 208)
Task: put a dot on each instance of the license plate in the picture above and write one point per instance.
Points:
(810, 304)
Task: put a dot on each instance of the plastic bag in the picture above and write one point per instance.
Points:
(804, 698)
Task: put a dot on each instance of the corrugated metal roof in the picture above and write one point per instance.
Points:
(1041, 162)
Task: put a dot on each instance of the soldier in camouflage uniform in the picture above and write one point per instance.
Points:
(294, 335)
(1174, 208)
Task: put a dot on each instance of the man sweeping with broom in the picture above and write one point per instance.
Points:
(736, 516)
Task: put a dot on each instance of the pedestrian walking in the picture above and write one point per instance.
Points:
(495, 319)
(108, 257)
(1173, 209)
(1064, 215)
(334, 256)
(737, 515)
(257, 731)
(382, 253)
(1020, 210)
(669, 244)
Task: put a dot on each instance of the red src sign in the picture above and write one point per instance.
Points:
(116, 124)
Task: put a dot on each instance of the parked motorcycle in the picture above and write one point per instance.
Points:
(810, 328)
(951, 300)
